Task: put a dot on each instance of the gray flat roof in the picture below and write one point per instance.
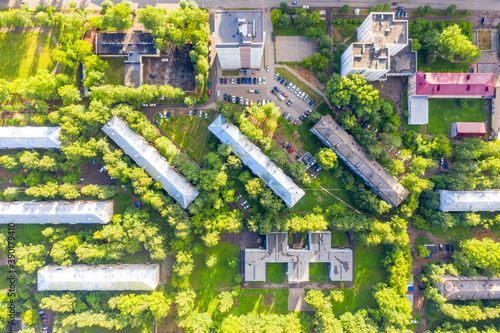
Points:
(154, 164)
(344, 145)
(99, 277)
(419, 110)
(469, 201)
(257, 161)
(71, 212)
(319, 250)
(239, 27)
(460, 287)
(29, 137)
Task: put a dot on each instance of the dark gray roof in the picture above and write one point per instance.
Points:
(344, 145)
(121, 44)
(319, 250)
(469, 201)
(257, 161)
(29, 137)
(239, 27)
(153, 163)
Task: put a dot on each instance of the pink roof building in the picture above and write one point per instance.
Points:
(468, 129)
(454, 85)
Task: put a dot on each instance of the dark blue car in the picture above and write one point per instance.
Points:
(168, 114)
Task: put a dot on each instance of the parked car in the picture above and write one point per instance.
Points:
(295, 122)
(201, 114)
(272, 36)
(168, 114)
(440, 247)
(401, 8)
(398, 14)
(191, 112)
(263, 80)
(206, 115)
(285, 143)
(194, 112)
(420, 287)
(209, 92)
(335, 48)
(254, 80)
(259, 81)
(483, 21)
(290, 150)
(40, 312)
(267, 68)
(311, 102)
(152, 75)
(238, 80)
(232, 81)
(209, 84)
(257, 91)
(93, 160)
(237, 100)
(218, 94)
(221, 81)
(295, 3)
(298, 156)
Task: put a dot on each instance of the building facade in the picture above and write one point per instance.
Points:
(239, 39)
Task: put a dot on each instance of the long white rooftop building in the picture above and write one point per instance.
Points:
(71, 212)
(99, 277)
(469, 201)
(257, 161)
(154, 164)
(29, 137)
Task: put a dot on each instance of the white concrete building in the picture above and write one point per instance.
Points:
(70, 212)
(378, 50)
(469, 201)
(239, 38)
(29, 137)
(148, 158)
(99, 277)
(462, 287)
(257, 161)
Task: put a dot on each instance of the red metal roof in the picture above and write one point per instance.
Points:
(454, 84)
(471, 129)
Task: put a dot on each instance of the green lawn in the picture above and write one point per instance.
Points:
(422, 241)
(440, 65)
(115, 74)
(190, 133)
(318, 272)
(324, 109)
(369, 269)
(251, 301)
(292, 30)
(303, 87)
(276, 272)
(339, 238)
(22, 54)
(209, 282)
(444, 111)
(354, 299)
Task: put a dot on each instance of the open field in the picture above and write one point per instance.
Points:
(354, 299)
(115, 74)
(190, 133)
(22, 54)
(444, 111)
(253, 300)
(369, 267)
(484, 40)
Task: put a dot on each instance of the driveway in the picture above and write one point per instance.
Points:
(296, 300)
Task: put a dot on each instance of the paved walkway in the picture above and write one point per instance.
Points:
(296, 300)
(308, 83)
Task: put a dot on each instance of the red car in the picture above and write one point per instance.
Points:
(290, 150)
(295, 122)
(209, 92)
(225, 80)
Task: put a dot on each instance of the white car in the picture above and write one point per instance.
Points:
(164, 60)
(260, 80)
(241, 100)
(206, 115)
(233, 100)
(190, 113)
(246, 101)
(218, 94)
(267, 68)
(201, 114)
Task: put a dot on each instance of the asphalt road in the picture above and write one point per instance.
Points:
(491, 5)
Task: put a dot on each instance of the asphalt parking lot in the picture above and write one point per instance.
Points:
(241, 90)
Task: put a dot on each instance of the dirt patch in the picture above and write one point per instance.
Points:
(268, 300)
(309, 77)
(173, 67)
(484, 40)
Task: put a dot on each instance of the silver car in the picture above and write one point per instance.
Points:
(233, 99)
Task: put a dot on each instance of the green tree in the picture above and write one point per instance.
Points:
(422, 251)
(327, 158)
(189, 101)
(118, 17)
(483, 254)
(276, 16)
(284, 7)
(211, 261)
(456, 46)
(184, 301)
(451, 10)
(345, 9)
(226, 301)
(62, 304)
(153, 18)
(69, 94)
(316, 299)
(68, 191)
(31, 257)
(420, 164)
(254, 187)
(8, 161)
(285, 21)
(12, 193)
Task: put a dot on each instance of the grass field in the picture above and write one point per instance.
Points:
(318, 272)
(190, 133)
(443, 112)
(115, 74)
(422, 241)
(339, 238)
(22, 54)
(484, 40)
(369, 269)
(440, 65)
(292, 30)
(209, 282)
(303, 87)
(276, 272)
(253, 300)
(231, 73)
(354, 299)
(340, 49)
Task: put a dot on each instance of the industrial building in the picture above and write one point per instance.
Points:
(239, 39)
(462, 129)
(462, 288)
(382, 49)
(422, 86)
(149, 158)
(257, 161)
(469, 201)
(318, 250)
(351, 153)
(134, 277)
(56, 212)
(29, 137)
